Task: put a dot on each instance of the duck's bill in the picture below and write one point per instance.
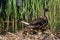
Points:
(24, 22)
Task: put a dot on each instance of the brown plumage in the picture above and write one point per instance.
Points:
(40, 22)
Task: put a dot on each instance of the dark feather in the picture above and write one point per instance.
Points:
(38, 23)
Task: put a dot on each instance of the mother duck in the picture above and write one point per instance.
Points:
(40, 22)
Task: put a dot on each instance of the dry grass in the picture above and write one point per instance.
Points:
(20, 36)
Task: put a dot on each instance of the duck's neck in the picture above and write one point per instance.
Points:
(43, 14)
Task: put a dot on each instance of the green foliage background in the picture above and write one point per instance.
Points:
(30, 10)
